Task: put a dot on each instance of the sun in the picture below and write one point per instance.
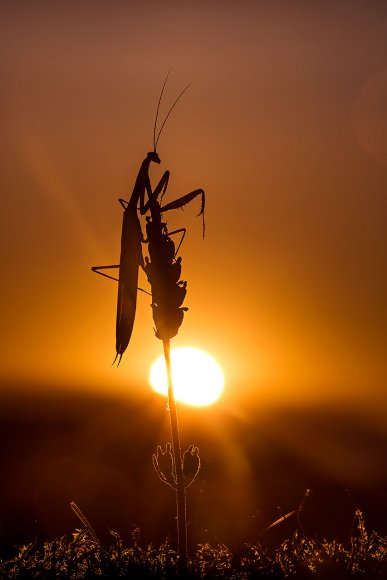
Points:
(197, 377)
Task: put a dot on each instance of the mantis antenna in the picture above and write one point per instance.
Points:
(169, 112)
(158, 110)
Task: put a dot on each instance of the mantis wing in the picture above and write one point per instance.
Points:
(130, 260)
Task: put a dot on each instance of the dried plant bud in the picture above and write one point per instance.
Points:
(167, 321)
(163, 464)
(191, 464)
(163, 271)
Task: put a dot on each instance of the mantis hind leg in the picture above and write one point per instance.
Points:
(97, 269)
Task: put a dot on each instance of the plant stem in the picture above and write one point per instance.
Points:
(176, 450)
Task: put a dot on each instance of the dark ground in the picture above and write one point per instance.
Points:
(96, 451)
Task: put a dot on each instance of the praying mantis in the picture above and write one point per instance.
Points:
(163, 269)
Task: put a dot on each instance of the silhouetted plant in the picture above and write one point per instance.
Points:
(163, 270)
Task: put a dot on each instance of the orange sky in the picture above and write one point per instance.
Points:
(286, 132)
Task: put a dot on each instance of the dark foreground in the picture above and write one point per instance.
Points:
(81, 555)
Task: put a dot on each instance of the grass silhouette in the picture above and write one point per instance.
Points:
(81, 555)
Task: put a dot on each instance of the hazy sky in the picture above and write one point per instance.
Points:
(285, 129)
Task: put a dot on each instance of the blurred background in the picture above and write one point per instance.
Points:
(286, 130)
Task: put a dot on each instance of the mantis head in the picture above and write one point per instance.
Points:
(152, 155)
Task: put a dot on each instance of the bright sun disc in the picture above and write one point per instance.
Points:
(197, 377)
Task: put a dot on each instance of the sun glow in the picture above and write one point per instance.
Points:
(197, 377)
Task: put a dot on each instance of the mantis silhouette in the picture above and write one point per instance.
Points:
(160, 244)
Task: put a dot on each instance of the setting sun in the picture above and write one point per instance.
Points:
(197, 378)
